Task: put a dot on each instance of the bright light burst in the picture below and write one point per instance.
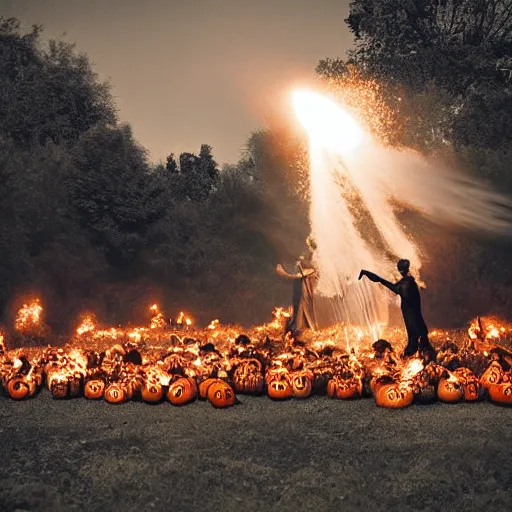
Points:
(327, 123)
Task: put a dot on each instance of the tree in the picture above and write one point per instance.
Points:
(47, 94)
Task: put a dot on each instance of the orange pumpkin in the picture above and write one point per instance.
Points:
(450, 390)
(116, 393)
(152, 392)
(341, 388)
(302, 383)
(205, 384)
(492, 375)
(94, 389)
(182, 391)
(501, 393)
(393, 396)
(18, 388)
(221, 394)
(470, 384)
(279, 389)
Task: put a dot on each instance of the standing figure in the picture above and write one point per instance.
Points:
(409, 292)
(303, 316)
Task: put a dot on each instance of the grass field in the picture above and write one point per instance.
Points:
(317, 454)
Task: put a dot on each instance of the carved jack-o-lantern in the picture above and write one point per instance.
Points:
(279, 389)
(18, 388)
(204, 385)
(470, 384)
(75, 385)
(393, 396)
(58, 384)
(221, 394)
(492, 375)
(248, 378)
(116, 393)
(342, 389)
(501, 393)
(450, 390)
(94, 389)
(302, 383)
(182, 391)
(152, 392)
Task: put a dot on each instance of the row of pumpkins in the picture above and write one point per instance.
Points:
(279, 383)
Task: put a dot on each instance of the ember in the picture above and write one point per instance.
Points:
(161, 362)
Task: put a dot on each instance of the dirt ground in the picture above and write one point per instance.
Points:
(317, 454)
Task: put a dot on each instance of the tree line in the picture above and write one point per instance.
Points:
(88, 223)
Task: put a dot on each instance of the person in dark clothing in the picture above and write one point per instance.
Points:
(303, 316)
(407, 289)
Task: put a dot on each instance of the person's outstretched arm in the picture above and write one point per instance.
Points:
(377, 279)
(282, 272)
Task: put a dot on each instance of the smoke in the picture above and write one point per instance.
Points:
(354, 221)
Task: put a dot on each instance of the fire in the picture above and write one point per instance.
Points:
(213, 324)
(29, 316)
(88, 325)
(182, 319)
(157, 320)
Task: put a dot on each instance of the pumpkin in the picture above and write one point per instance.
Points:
(58, 384)
(279, 389)
(449, 390)
(493, 375)
(182, 391)
(94, 389)
(18, 388)
(342, 389)
(425, 394)
(501, 393)
(152, 392)
(205, 384)
(221, 394)
(248, 378)
(302, 383)
(116, 393)
(75, 385)
(393, 396)
(470, 384)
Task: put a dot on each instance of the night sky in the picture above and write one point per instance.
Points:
(196, 71)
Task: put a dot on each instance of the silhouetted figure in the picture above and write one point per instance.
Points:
(303, 316)
(407, 288)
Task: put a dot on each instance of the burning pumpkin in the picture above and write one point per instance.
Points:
(182, 391)
(18, 388)
(492, 375)
(94, 389)
(501, 393)
(342, 389)
(221, 394)
(58, 384)
(450, 390)
(470, 384)
(248, 377)
(393, 396)
(116, 393)
(302, 383)
(152, 392)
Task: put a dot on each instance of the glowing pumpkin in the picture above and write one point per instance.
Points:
(450, 390)
(393, 396)
(182, 391)
(279, 389)
(492, 375)
(116, 393)
(18, 388)
(470, 384)
(501, 393)
(221, 394)
(58, 384)
(248, 378)
(302, 383)
(152, 392)
(94, 389)
(342, 389)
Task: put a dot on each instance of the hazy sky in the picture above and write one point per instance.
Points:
(187, 72)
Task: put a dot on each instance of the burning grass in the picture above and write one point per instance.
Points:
(179, 362)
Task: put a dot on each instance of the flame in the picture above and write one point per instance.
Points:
(29, 316)
(87, 325)
(213, 324)
(157, 320)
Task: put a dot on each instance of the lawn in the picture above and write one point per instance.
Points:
(317, 454)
